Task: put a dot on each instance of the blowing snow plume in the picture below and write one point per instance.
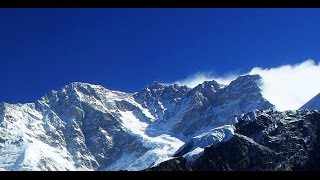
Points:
(288, 87)
(198, 78)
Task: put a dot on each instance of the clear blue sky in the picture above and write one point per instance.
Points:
(126, 49)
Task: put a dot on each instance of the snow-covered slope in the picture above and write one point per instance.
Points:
(87, 127)
(81, 127)
(193, 148)
(314, 103)
(263, 140)
(207, 106)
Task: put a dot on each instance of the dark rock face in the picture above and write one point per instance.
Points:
(88, 127)
(176, 164)
(265, 141)
(239, 153)
(209, 104)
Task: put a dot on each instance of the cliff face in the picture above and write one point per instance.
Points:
(263, 140)
(88, 127)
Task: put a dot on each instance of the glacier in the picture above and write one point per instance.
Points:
(88, 127)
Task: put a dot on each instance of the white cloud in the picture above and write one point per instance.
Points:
(288, 87)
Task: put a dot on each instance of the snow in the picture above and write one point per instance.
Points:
(132, 124)
(145, 111)
(161, 147)
(23, 150)
(105, 133)
(36, 136)
(193, 155)
(223, 133)
(214, 136)
(161, 106)
(108, 99)
(9, 155)
(38, 152)
(124, 163)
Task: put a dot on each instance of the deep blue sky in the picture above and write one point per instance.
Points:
(125, 49)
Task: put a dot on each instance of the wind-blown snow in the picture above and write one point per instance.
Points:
(288, 87)
(198, 78)
(88, 127)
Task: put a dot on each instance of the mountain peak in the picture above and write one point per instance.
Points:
(101, 129)
(84, 88)
(156, 85)
(81, 84)
(247, 81)
(209, 85)
(4, 105)
(253, 77)
(314, 103)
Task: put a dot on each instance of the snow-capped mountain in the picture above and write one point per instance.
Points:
(87, 127)
(263, 140)
(314, 103)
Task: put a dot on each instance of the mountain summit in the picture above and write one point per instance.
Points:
(87, 127)
(314, 103)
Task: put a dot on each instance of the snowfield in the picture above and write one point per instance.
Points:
(87, 127)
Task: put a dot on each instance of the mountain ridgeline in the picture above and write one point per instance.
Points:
(272, 141)
(88, 127)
